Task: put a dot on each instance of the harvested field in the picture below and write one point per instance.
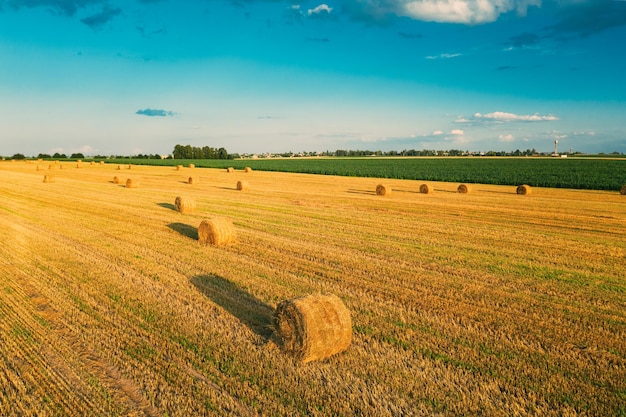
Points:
(477, 304)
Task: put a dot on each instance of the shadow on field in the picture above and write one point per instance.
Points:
(366, 192)
(185, 230)
(167, 206)
(249, 310)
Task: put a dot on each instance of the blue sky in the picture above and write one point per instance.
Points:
(111, 77)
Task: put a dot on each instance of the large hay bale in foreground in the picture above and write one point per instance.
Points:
(185, 204)
(132, 183)
(243, 185)
(523, 189)
(382, 189)
(425, 189)
(313, 327)
(463, 189)
(217, 231)
(48, 178)
(623, 190)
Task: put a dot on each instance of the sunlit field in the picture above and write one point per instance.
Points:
(485, 303)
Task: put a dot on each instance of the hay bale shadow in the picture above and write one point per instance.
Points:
(353, 191)
(185, 230)
(167, 206)
(249, 310)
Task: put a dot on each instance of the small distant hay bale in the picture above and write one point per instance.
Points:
(37, 168)
(48, 178)
(523, 189)
(101, 162)
(230, 169)
(119, 167)
(132, 183)
(92, 163)
(243, 185)
(60, 166)
(622, 191)
(39, 160)
(313, 327)
(179, 167)
(116, 180)
(217, 231)
(463, 189)
(192, 166)
(130, 166)
(425, 189)
(192, 180)
(383, 190)
(185, 204)
(247, 169)
(50, 167)
(78, 165)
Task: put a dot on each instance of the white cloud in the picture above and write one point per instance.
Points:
(500, 116)
(507, 138)
(457, 132)
(443, 56)
(437, 133)
(319, 9)
(460, 11)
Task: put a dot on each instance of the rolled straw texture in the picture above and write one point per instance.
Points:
(132, 183)
(217, 231)
(185, 204)
(243, 185)
(313, 327)
(463, 189)
(425, 189)
(523, 189)
(623, 190)
(382, 189)
(48, 178)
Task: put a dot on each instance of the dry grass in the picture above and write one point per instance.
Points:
(313, 327)
(109, 306)
(383, 190)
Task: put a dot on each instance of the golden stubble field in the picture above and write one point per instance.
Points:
(487, 303)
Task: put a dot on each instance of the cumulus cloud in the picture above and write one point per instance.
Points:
(457, 132)
(506, 138)
(444, 11)
(155, 112)
(437, 133)
(321, 10)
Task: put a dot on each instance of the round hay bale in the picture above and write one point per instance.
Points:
(622, 191)
(383, 190)
(132, 183)
(48, 178)
(192, 180)
(92, 163)
(179, 167)
(217, 231)
(243, 185)
(463, 189)
(313, 327)
(425, 189)
(247, 169)
(116, 180)
(523, 189)
(130, 166)
(185, 204)
(119, 167)
(101, 162)
(192, 166)
(230, 169)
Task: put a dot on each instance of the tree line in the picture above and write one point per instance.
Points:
(195, 152)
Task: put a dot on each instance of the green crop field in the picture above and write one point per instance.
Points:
(576, 173)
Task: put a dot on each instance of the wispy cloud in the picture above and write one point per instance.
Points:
(100, 19)
(443, 56)
(155, 112)
(504, 117)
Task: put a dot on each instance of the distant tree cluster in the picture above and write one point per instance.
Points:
(194, 152)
